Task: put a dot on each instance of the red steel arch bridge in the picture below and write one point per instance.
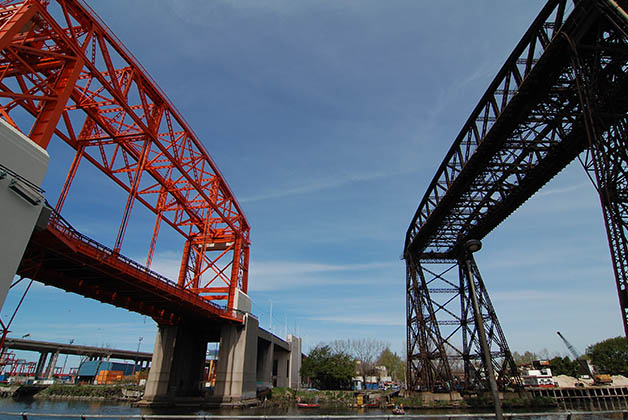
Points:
(64, 76)
(560, 96)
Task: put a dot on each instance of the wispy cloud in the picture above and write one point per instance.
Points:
(379, 319)
(323, 184)
(556, 297)
(290, 275)
(567, 189)
(279, 268)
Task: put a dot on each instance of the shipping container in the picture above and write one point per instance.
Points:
(92, 368)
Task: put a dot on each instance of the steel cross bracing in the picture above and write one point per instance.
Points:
(444, 351)
(559, 94)
(64, 74)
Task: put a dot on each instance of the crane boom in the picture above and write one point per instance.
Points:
(571, 348)
(584, 363)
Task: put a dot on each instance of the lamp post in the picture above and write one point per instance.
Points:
(66, 358)
(471, 246)
(137, 353)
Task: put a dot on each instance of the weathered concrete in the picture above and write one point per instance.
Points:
(51, 365)
(41, 364)
(177, 366)
(294, 378)
(23, 166)
(236, 371)
(250, 359)
(281, 368)
(264, 363)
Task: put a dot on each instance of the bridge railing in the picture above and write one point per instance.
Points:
(567, 415)
(58, 224)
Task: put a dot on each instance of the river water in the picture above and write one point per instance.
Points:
(74, 408)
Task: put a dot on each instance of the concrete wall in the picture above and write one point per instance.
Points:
(176, 372)
(282, 362)
(294, 379)
(249, 358)
(236, 371)
(19, 208)
(264, 363)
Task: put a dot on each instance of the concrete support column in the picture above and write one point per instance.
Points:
(294, 378)
(282, 358)
(51, 365)
(39, 370)
(237, 357)
(265, 363)
(177, 366)
(23, 165)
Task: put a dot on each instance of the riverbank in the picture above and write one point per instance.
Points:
(377, 399)
(130, 393)
(282, 398)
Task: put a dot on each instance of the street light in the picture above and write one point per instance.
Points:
(471, 246)
(66, 358)
(137, 354)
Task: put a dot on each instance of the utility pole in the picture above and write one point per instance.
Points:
(270, 327)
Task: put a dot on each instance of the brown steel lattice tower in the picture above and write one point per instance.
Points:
(560, 96)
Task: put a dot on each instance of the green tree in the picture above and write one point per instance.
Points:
(564, 366)
(524, 359)
(610, 356)
(394, 365)
(328, 369)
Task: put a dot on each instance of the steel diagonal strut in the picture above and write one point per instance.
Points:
(560, 93)
(64, 74)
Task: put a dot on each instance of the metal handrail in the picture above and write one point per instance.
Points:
(6, 170)
(568, 415)
(61, 225)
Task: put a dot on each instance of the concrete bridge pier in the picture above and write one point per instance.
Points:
(248, 356)
(281, 367)
(294, 377)
(236, 371)
(41, 363)
(265, 351)
(178, 363)
(51, 365)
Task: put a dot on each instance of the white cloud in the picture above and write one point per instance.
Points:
(381, 319)
(285, 275)
(563, 190)
(323, 184)
(271, 268)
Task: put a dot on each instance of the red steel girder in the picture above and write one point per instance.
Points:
(63, 66)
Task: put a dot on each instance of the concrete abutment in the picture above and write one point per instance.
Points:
(236, 370)
(249, 360)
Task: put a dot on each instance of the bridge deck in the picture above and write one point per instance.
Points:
(526, 128)
(60, 256)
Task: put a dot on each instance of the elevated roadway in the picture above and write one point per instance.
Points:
(79, 350)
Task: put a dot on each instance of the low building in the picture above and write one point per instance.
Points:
(91, 369)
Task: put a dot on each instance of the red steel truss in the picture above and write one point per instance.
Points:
(63, 73)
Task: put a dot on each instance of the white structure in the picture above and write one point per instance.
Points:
(23, 165)
(538, 378)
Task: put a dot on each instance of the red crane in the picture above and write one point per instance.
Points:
(64, 75)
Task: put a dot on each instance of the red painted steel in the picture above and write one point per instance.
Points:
(76, 81)
(62, 257)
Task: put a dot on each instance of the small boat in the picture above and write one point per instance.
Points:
(308, 405)
(372, 405)
(398, 411)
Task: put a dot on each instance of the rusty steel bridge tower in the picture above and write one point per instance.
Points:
(560, 96)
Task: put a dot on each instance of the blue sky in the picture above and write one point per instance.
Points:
(328, 119)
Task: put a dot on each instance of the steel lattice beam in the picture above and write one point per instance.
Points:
(559, 96)
(63, 73)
